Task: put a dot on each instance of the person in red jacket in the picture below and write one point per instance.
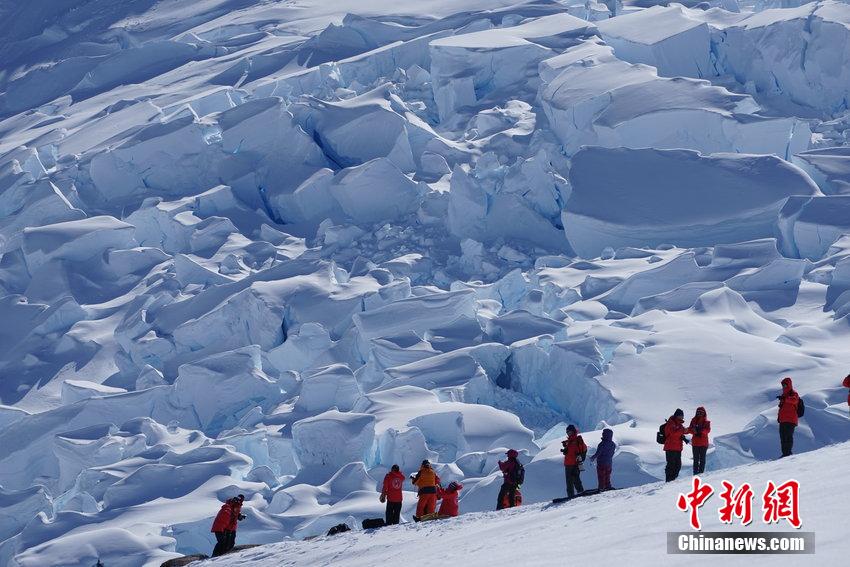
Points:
(674, 436)
(510, 471)
(846, 384)
(392, 495)
(224, 525)
(449, 506)
(787, 416)
(574, 452)
(699, 428)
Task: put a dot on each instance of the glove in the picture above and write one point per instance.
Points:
(383, 498)
(685, 439)
(242, 517)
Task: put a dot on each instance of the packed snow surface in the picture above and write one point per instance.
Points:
(274, 248)
(590, 530)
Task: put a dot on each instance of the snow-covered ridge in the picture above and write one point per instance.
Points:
(274, 248)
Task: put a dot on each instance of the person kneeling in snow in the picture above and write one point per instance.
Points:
(391, 494)
(604, 458)
(449, 505)
(225, 524)
(426, 481)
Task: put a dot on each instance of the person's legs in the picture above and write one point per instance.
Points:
(577, 480)
(568, 472)
(603, 476)
(393, 515)
(512, 496)
(786, 438)
(699, 460)
(427, 504)
(674, 465)
(231, 540)
(221, 540)
(500, 503)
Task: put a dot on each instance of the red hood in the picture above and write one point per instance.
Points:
(704, 413)
(787, 384)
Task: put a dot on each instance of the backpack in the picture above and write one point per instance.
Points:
(661, 437)
(519, 474)
(801, 407)
(338, 529)
(372, 523)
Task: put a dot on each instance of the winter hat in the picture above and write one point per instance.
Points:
(571, 427)
(679, 413)
(453, 486)
(240, 497)
(395, 468)
(512, 454)
(426, 463)
(607, 434)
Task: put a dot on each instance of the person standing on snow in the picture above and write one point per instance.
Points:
(426, 481)
(224, 525)
(510, 480)
(674, 436)
(700, 427)
(604, 458)
(846, 384)
(574, 452)
(391, 494)
(449, 505)
(788, 416)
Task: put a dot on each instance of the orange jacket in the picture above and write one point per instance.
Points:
(426, 480)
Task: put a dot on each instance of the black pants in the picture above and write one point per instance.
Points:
(573, 480)
(508, 490)
(393, 515)
(674, 465)
(786, 437)
(699, 459)
(222, 544)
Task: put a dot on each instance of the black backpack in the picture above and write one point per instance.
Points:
(338, 529)
(801, 407)
(660, 437)
(372, 523)
(519, 474)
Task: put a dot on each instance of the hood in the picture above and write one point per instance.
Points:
(787, 384)
(701, 410)
(607, 434)
(512, 454)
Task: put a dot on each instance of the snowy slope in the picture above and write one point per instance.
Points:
(276, 247)
(594, 530)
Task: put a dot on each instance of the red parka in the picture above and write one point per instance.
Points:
(234, 518)
(700, 428)
(448, 506)
(223, 518)
(393, 483)
(788, 403)
(674, 431)
(574, 447)
(847, 385)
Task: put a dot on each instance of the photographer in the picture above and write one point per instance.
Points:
(574, 452)
(700, 427)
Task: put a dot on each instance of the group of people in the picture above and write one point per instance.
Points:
(429, 491)
(672, 434)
